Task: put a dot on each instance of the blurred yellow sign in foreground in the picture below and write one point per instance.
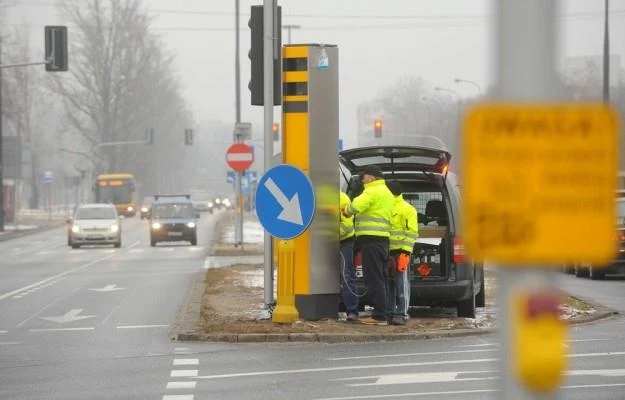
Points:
(539, 183)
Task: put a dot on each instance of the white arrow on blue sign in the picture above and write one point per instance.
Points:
(285, 201)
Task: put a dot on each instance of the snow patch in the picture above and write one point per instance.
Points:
(253, 233)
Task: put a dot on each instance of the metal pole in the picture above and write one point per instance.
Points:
(237, 64)
(525, 72)
(269, 10)
(1, 171)
(606, 56)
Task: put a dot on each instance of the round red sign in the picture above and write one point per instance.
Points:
(239, 156)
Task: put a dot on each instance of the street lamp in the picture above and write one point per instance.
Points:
(442, 89)
(426, 101)
(479, 89)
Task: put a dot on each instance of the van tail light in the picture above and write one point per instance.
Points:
(459, 256)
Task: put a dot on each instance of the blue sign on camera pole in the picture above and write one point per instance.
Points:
(285, 201)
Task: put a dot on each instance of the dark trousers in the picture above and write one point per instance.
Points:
(348, 277)
(374, 268)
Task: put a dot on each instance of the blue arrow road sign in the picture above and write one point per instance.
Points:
(285, 201)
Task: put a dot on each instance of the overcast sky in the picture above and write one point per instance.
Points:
(379, 42)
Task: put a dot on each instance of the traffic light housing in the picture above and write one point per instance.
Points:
(256, 55)
(275, 129)
(188, 137)
(56, 48)
(377, 128)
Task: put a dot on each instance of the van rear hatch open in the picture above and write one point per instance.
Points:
(396, 158)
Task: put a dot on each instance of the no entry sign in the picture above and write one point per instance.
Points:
(239, 156)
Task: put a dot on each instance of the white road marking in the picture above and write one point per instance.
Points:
(70, 316)
(17, 297)
(187, 373)
(177, 349)
(18, 291)
(479, 345)
(61, 329)
(388, 396)
(196, 248)
(616, 353)
(1, 332)
(186, 361)
(134, 244)
(45, 308)
(136, 250)
(347, 368)
(141, 326)
(178, 397)
(9, 343)
(181, 385)
(108, 288)
(409, 354)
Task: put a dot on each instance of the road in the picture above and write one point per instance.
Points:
(92, 322)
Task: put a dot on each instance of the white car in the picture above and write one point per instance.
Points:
(95, 224)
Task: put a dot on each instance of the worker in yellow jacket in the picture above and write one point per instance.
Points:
(404, 233)
(373, 210)
(348, 273)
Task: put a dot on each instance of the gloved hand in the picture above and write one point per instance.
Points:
(403, 260)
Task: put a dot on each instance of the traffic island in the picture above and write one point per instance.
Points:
(226, 305)
(225, 245)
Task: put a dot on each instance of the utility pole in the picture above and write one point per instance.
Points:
(1, 140)
(606, 55)
(238, 228)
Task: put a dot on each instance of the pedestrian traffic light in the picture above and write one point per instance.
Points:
(377, 128)
(188, 137)
(149, 136)
(276, 131)
(256, 55)
(56, 48)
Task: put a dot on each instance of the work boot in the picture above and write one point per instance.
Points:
(397, 320)
(352, 317)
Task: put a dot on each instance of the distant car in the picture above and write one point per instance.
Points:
(95, 224)
(173, 218)
(202, 202)
(617, 266)
(439, 273)
(146, 205)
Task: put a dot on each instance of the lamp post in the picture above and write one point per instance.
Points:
(426, 101)
(451, 91)
(479, 88)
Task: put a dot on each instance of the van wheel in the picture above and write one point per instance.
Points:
(581, 272)
(595, 274)
(75, 246)
(118, 244)
(480, 299)
(152, 243)
(466, 308)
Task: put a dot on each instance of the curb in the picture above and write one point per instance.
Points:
(18, 234)
(328, 338)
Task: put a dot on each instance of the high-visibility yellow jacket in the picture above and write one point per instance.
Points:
(346, 224)
(404, 226)
(373, 210)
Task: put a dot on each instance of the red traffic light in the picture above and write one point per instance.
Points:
(275, 128)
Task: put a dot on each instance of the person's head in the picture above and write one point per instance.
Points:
(371, 173)
(394, 187)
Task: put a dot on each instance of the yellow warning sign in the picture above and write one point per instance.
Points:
(539, 183)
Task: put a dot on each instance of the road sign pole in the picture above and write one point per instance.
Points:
(269, 10)
(525, 71)
(1, 172)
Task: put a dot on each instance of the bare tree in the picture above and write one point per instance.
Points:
(119, 75)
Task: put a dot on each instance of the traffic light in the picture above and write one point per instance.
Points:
(149, 136)
(56, 48)
(188, 137)
(256, 57)
(377, 128)
(276, 131)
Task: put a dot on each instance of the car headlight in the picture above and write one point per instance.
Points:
(191, 225)
(130, 208)
(114, 228)
(156, 225)
(209, 204)
(144, 209)
(75, 229)
(218, 201)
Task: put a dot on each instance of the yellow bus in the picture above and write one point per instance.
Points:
(620, 186)
(118, 189)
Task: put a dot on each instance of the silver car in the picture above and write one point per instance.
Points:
(95, 224)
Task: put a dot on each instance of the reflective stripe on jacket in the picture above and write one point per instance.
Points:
(373, 210)
(346, 224)
(404, 228)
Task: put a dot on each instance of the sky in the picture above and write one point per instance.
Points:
(379, 43)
